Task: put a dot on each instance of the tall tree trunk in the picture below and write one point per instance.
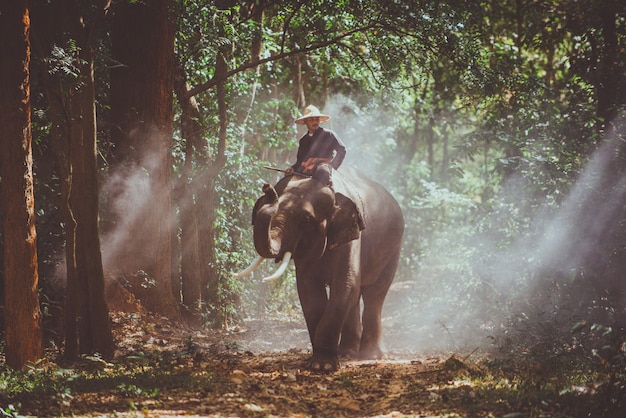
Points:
(210, 287)
(142, 108)
(607, 85)
(430, 142)
(23, 329)
(197, 194)
(94, 329)
(256, 12)
(192, 267)
(60, 146)
(299, 97)
(445, 155)
(72, 109)
(607, 265)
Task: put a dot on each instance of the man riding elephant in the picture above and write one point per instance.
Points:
(343, 270)
(320, 149)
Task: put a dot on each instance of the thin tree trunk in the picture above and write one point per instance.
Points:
(257, 10)
(430, 141)
(298, 91)
(23, 329)
(445, 157)
(191, 267)
(608, 71)
(210, 287)
(197, 196)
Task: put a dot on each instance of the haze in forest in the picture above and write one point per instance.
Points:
(128, 200)
(552, 249)
(540, 261)
(414, 320)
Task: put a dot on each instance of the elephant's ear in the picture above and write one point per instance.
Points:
(346, 223)
(270, 196)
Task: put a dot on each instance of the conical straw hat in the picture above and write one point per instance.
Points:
(312, 112)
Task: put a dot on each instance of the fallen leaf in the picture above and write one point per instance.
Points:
(253, 408)
(237, 376)
(350, 404)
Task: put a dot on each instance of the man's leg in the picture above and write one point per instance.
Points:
(323, 174)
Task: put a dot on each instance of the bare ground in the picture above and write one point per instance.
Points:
(259, 370)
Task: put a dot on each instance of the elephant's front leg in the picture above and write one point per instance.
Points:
(341, 269)
(313, 297)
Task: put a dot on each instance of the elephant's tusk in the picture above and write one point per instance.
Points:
(255, 265)
(279, 272)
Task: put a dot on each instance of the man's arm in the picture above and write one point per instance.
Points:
(340, 149)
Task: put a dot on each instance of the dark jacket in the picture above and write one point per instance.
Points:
(323, 144)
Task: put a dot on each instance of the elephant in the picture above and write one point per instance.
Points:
(345, 237)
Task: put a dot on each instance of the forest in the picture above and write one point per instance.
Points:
(135, 139)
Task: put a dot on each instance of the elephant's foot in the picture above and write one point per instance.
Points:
(324, 362)
(370, 353)
(349, 352)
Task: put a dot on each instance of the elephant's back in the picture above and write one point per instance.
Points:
(378, 204)
(384, 222)
(381, 240)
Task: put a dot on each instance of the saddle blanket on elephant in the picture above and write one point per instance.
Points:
(344, 187)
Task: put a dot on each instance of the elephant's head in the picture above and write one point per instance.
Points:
(304, 218)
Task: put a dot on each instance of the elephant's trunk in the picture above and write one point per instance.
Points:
(264, 244)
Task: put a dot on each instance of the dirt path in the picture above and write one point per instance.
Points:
(164, 369)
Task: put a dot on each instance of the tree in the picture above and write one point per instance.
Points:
(196, 196)
(22, 313)
(240, 40)
(69, 83)
(600, 57)
(142, 38)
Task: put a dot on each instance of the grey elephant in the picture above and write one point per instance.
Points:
(346, 238)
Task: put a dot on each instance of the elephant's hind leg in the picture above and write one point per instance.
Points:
(372, 327)
(373, 299)
(351, 333)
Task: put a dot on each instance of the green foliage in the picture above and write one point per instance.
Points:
(478, 116)
(65, 61)
(37, 380)
(472, 115)
(137, 376)
(234, 249)
(10, 411)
